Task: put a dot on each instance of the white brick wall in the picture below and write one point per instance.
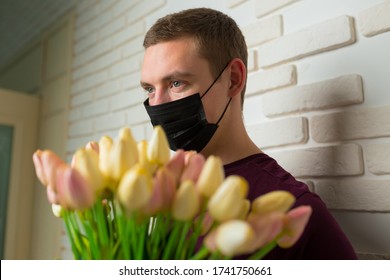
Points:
(317, 90)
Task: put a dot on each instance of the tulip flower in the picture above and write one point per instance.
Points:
(234, 237)
(226, 202)
(158, 149)
(193, 168)
(186, 203)
(105, 147)
(143, 160)
(294, 225)
(46, 164)
(57, 210)
(176, 164)
(135, 188)
(52, 196)
(124, 154)
(74, 192)
(266, 227)
(37, 159)
(279, 201)
(92, 145)
(211, 176)
(164, 188)
(244, 209)
(87, 163)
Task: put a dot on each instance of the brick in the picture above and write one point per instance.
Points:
(142, 9)
(89, 81)
(377, 156)
(86, 13)
(74, 114)
(272, 79)
(374, 20)
(134, 46)
(265, 7)
(80, 128)
(322, 37)
(95, 108)
(126, 99)
(75, 143)
(353, 124)
(85, 42)
(110, 121)
(128, 33)
(262, 31)
(337, 92)
(123, 6)
(343, 160)
(252, 60)
(234, 3)
(132, 81)
(112, 27)
(82, 98)
(123, 67)
(279, 133)
(109, 87)
(92, 26)
(136, 115)
(355, 194)
(97, 50)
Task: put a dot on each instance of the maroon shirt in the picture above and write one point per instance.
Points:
(322, 239)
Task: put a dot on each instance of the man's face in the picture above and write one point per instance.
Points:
(173, 70)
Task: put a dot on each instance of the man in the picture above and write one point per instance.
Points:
(194, 72)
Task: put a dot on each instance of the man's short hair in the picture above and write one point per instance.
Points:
(218, 37)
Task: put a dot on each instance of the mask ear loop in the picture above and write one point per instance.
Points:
(219, 75)
(223, 113)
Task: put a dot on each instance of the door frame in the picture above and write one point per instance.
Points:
(21, 112)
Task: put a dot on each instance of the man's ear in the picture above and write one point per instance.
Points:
(237, 77)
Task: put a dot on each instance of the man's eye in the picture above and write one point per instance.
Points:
(148, 89)
(176, 84)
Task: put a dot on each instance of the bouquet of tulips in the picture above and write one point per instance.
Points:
(121, 199)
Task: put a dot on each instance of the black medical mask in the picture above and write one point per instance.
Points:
(184, 121)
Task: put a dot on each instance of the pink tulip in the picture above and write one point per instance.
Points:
(176, 164)
(37, 159)
(93, 145)
(50, 163)
(193, 168)
(266, 227)
(164, 188)
(73, 190)
(52, 196)
(294, 224)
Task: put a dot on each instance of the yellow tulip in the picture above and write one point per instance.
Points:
(93, 145)
(279, 201)
(226, 202)
(186, 202)
(105, 147)
(158, 149)
(211, 176)
(234, 237)
(244, 209)
(143, 160)
(87, 163)
(124, 154)
(135, 188)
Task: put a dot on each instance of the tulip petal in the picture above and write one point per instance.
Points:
(211, 176)
(193, 168)
(186, 203)
(38, 167)
(294, 225)
(158, 149)
(273, 201)
(234, 237)
(176, 164)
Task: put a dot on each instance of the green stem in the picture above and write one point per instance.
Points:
(180, 254)
(173, 237)
(201, 254)
(263, 251)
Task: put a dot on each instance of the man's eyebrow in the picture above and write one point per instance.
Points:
(171, 76)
